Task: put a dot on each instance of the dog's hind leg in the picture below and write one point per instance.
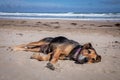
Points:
(24, 48)
(33, 44)
(33, 49)
(19, 47)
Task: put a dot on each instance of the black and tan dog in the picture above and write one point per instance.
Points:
(61, 48)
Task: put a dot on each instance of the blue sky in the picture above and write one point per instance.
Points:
(82, 6)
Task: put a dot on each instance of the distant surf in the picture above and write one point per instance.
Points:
(69, 16)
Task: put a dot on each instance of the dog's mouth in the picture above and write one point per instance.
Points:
(81, 59)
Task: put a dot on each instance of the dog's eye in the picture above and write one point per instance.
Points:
(93, 59)
(89, 51)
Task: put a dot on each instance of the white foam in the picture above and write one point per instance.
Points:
(69, 15)
(63, 14)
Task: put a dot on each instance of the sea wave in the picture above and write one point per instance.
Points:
(64, 14)
(69, 15)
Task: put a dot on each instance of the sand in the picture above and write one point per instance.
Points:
(17, 65)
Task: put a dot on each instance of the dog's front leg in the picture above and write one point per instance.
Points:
(41, 57)
(54, 59)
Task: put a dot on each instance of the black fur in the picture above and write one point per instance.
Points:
(59, 39)
(43, 48)
(48, 39)
(63, 40)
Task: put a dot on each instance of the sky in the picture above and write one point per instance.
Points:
(81, 6)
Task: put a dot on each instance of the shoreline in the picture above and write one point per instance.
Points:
(69, 19)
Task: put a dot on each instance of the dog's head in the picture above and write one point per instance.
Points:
(88, 55)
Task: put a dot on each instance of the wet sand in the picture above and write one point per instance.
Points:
(17, 65)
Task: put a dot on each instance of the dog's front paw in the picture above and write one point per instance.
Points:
(50, 66)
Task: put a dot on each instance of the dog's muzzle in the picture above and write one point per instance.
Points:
(81, 59)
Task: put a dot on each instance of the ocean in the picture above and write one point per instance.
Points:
(68, 16)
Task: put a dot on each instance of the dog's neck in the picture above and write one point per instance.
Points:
(75, 52)
(75, 56)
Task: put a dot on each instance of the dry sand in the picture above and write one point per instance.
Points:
(104, 35)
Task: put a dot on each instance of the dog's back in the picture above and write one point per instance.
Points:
(61, 42)
(47, 39)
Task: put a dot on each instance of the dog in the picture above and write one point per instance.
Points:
(61, 48)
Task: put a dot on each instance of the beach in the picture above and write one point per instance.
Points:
(17, 65)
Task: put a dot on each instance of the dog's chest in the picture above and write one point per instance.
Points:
(67, 49)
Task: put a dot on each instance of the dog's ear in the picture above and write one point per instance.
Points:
(87, 46)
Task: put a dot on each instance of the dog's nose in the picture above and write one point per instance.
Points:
(98, 59)
(82, 61)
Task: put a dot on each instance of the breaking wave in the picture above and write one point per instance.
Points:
(69, 15)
